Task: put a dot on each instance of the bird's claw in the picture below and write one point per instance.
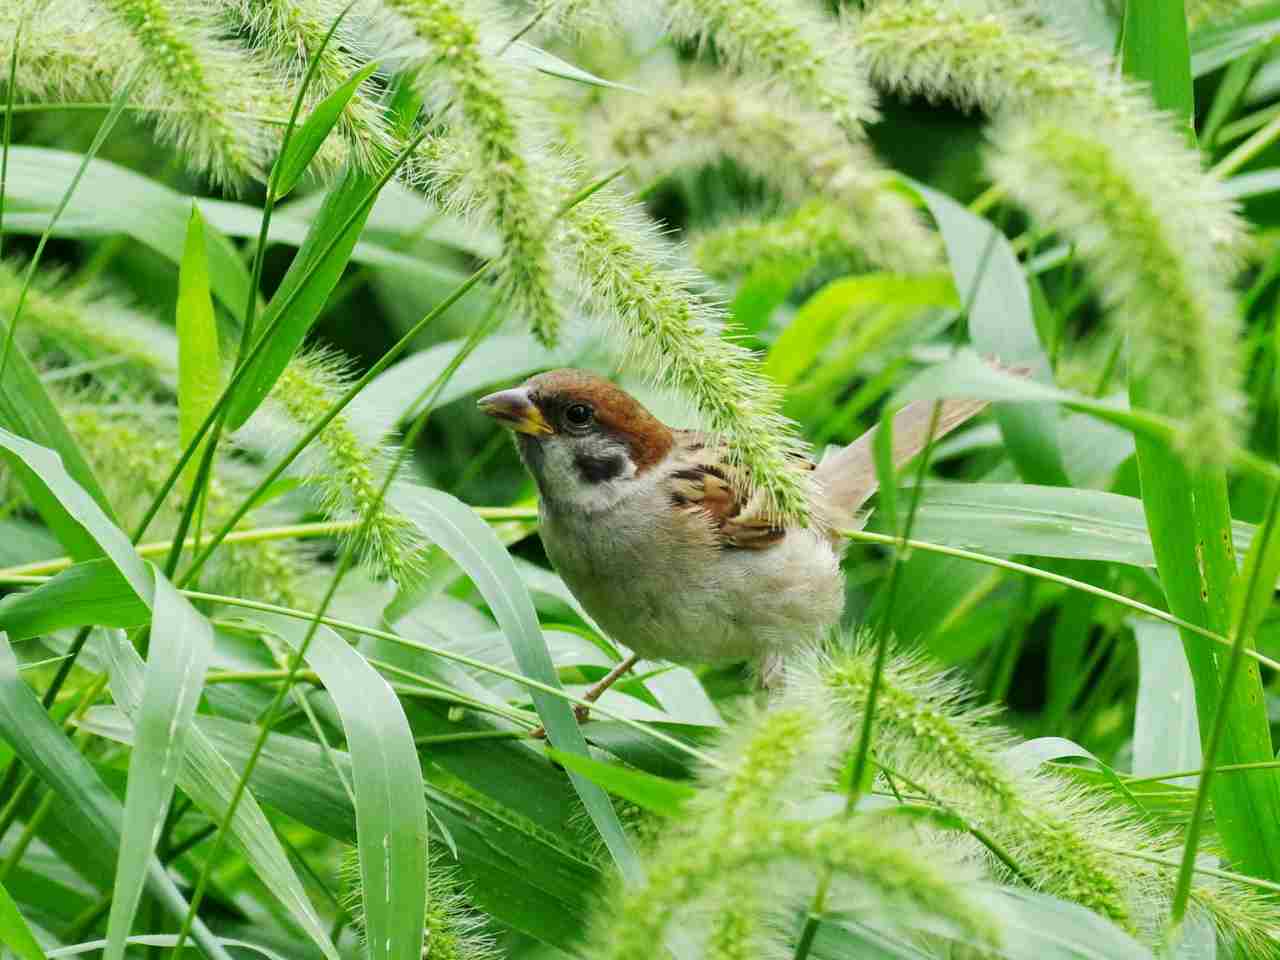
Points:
(581, 713)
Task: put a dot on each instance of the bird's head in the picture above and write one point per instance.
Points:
(581, 436)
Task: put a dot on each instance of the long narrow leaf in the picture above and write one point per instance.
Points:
(178, 656)
(310, 136)
(305, 288)
(47, 751)
(455, 528)
(199, 363)
(210, 780)
(391, 810)
(14, 932)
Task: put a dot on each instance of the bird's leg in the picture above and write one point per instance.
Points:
(594, 692)
(600, 686)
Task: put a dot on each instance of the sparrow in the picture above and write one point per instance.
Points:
(658, 535)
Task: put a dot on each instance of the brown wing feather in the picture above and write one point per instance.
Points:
(711, 488)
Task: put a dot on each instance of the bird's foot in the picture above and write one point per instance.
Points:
(581, 713)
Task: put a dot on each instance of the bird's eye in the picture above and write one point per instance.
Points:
(578, 415)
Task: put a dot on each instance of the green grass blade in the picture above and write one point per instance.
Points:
(14, 932)
(1002, 327)
(99, 138)
(825, 316)
(27, 410)
(90, 593)
(83, 529)
(45, 749)
(1190, 523)
(113, 200)
(310, 136)
(391, 810)
(306, 286)
(178, 656)
(199, 362)
(472, 544)
(210, 780)
(1062, 522)
(1216, 44)
(1166, 731)
(11, 93)
(529, 883)
(656, 794)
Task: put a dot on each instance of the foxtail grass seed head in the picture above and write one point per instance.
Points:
(1200, 12)
(454, 930)
(1153, 231)
(981, 56)
(347, 472)
(214, 99)
(817, 235)
(131, 448)
(94, 328)
(630, 284)
(1063, 838)
(747, 852)
(508, 175)
(801, 153)
(790, 45)
(291, 33)
(69, 53)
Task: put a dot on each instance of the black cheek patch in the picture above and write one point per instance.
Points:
(595, 469)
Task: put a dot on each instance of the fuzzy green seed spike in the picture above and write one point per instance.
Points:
(722, 859)
(802, 153)
(1157, 274)
(788, 43)
(507, 178)
(202, 88)
(1050, 831)
(676, 335)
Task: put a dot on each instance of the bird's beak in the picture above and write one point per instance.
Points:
(514, 409)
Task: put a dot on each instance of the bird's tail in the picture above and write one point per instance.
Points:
(848, 477)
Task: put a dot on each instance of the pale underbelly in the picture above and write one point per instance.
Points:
(705, 605)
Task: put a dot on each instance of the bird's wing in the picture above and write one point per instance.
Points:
(713, 491)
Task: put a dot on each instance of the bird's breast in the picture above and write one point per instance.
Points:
(670, 596)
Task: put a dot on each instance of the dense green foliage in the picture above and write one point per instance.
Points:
(277, 634)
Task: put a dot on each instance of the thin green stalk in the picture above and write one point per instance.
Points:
(868, 536)
(28, 834)
(291, 531)
(1200, 772)
(204, 476)
(97, 106)
(1188, 512)
(1242, 878)
(1182, 891)
(470, 735)
(1246, 124)
(857, 769)
(1242, 154)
